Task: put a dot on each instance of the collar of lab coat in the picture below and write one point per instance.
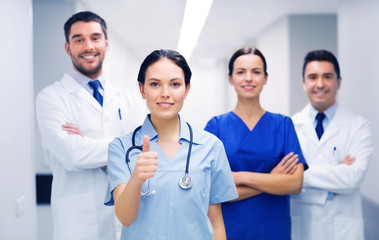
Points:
(338, 123)
(72, 86)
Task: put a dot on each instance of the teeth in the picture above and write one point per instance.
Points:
(88, 57)
(164, 104)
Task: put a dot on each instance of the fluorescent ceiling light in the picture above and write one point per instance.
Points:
(195, 14)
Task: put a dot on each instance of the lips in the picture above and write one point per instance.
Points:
(165, 104)
(89, 56)
(248, 87)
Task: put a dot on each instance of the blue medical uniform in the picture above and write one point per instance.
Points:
(174, 213)
(264, 216)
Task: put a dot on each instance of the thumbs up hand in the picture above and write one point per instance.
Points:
(147, 162)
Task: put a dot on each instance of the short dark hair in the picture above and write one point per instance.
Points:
(85, 16)
(172, 55)
(322, 55)
(245, 51)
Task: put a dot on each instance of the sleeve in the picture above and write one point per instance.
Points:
(344, 178)
(74, 152)
(212, 127)
(222, 183)
(118, 172)
(292, 142)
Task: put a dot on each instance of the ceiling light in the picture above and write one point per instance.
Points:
(195, 14)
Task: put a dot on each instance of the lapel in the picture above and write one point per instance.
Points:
(75, 89)
(110, 92)
(305, 123)
(338, 123)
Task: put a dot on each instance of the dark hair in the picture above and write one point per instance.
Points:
(245, 51)
(322, 55)
(174, 56)
(85, 16)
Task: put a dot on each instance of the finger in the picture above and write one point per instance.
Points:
(291, 160)
(286, 158)
(293, 169)
(146, 144)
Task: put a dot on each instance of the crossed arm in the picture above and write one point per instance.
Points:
(285, 178)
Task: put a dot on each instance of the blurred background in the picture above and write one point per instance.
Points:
(32, 39)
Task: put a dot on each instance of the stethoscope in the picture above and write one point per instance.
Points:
(185, 182)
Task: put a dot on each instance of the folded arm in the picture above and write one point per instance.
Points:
(75, 152)
(346, 176)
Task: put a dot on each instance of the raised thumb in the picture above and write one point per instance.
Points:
(146, 144)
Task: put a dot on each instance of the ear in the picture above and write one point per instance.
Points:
(303, 82)
(67, 48)
(142, 90)
(187, 89)
(230, 79)
(106, 44)
(266, 77)
(339, 82)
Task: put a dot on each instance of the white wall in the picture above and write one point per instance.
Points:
(358, 38)
(275, 96)
(17, 202)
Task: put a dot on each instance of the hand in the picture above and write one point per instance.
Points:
(287, 165)
(348, 160)
(71, 129)
(147, 163)
(237, 176)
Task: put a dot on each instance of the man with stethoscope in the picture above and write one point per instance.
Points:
(78, 117)
(337, 146)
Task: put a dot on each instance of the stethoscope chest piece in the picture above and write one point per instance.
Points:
(185, 182)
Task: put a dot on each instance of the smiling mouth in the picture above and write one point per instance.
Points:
(248, 87)
(165, 104)
(89, 56)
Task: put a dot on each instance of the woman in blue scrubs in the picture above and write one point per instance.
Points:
(263, 152)
(164, 210)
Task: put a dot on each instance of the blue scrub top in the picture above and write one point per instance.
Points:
(174, 213)
(264, 216)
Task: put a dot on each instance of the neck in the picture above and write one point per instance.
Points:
(248, 107)
(167, 129)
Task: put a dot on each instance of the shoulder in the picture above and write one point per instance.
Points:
(277, 118)
(353, 120)
(221, 119)
(122, 142)
(203, 137)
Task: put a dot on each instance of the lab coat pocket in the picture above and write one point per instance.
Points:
(76, 217)
(348, 228)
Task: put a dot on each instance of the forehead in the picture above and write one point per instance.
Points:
(85, 28)
(164, 68)
(248, 60)
(320, 67)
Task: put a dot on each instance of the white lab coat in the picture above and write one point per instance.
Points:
(79, 182)
(317, 214)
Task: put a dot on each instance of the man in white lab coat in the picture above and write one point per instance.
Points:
(337, 146)
(78, 116)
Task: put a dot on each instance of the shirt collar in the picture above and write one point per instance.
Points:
(149, 130)
(84, 80)
(330, 112)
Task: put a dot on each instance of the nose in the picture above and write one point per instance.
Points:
(249, 77)
(320, 82)
(165, 93)
(89, 45)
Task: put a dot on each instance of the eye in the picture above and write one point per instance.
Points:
(154, 84)
(176, 84)
(257, 72)
(78, 40)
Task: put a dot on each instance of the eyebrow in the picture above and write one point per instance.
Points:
(79, 35)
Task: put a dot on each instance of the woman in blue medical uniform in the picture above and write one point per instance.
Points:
(263, 152)
(154, 202)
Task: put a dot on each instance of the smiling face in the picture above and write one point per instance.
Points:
(164, 89)
(87, 47)
(248, 77)
(321, 84)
